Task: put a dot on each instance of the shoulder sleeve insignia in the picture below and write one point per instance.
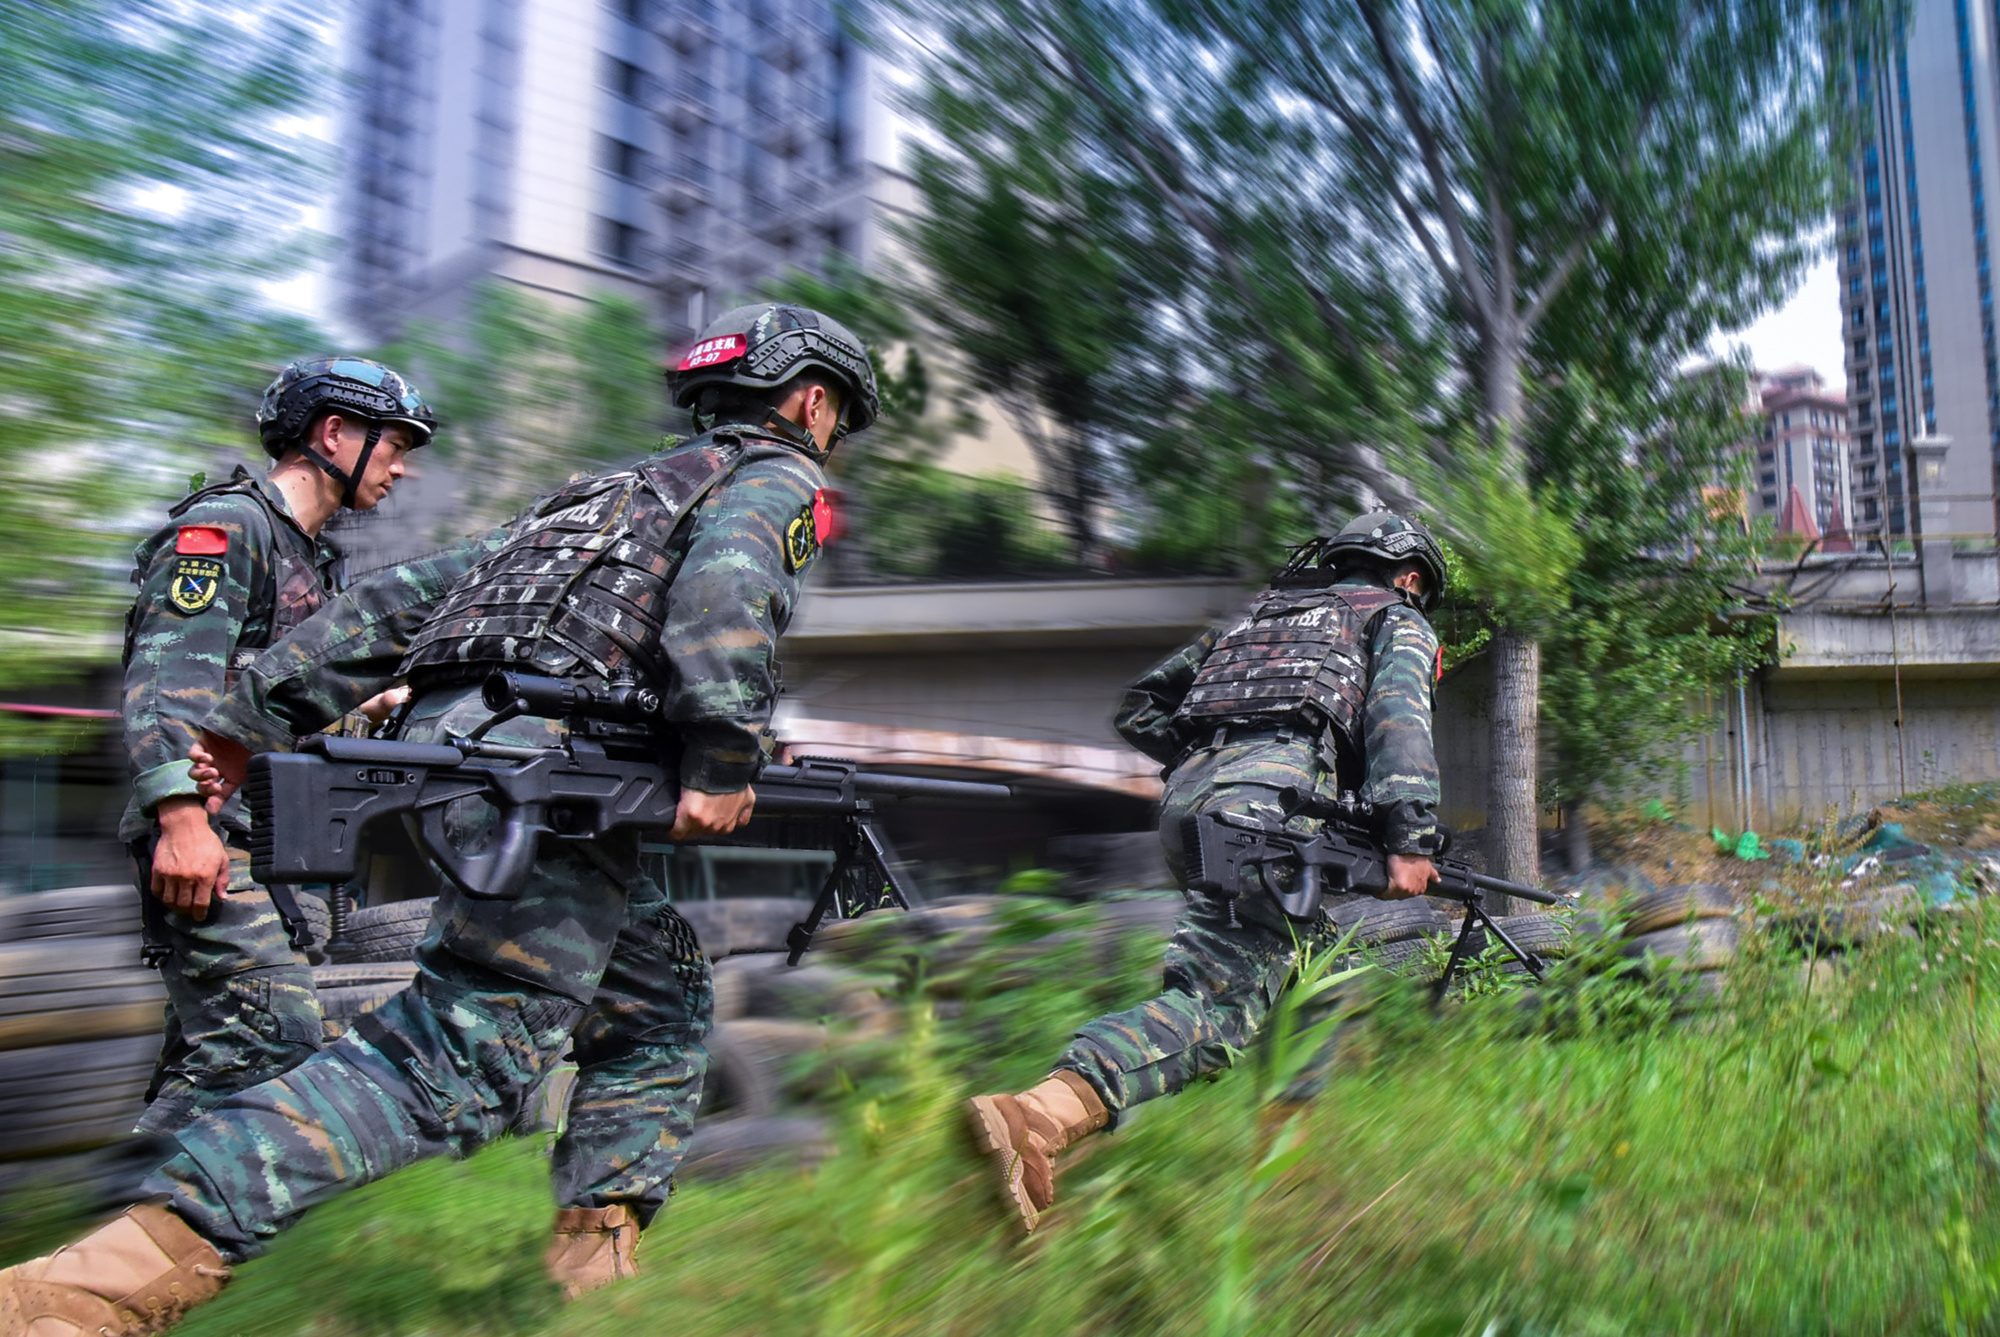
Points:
(194, 583)
(202, 540)
(1437, 668)
(801, 539)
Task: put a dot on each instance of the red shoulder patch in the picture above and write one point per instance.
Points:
(709, 352)
(1437, 669)
(826, 517)
(202, 540)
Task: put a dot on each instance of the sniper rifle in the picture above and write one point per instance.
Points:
(615, 771)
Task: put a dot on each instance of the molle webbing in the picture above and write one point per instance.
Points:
(1298, 654)
(582, 584)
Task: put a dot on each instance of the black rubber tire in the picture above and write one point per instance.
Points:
(1703, 945)
(384, 932)
(719, 1149)
(1377, 922)
(1670, 907)
(348, 990)
(110, 911)
(1402, 956)
(68, 1097)
(1543, 934)
(55, 992)
(743, 1075)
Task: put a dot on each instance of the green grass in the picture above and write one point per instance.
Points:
(1817, 1156)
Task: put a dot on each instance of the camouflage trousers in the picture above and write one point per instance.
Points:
(240, 1002)
(1229, 957)
(589, 952)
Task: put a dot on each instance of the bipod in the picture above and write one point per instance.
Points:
(1477, 918)
(863, 846)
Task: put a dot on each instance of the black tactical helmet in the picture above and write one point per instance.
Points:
(762, 347)
(352, 386)
(1390, 539)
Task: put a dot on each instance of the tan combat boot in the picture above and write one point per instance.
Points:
(593, 1246)
(136, 1275)
(1023, 1133)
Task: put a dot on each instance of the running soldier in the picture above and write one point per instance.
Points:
(236, 567)
(1314, 692)
(683, 570)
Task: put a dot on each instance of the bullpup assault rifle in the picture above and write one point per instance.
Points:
(1223, 846)
(616, 771)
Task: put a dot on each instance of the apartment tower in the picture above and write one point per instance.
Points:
(678, 151)
(1916, 279)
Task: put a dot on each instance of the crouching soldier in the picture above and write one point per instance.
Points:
(1315, 691)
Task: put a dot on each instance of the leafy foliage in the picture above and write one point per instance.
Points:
(132, 345)
(1803, 1160)
(530, 393)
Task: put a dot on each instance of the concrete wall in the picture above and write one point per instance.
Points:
(1024, 678)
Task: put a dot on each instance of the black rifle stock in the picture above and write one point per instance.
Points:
(311, 808)
(1222, 847)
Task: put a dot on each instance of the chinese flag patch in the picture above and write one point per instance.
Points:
(826, 520)
(202, 541)
(1437, 669)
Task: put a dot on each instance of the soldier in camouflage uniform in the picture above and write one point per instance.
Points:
(236, 567)
(683, 570)
(1320, 688)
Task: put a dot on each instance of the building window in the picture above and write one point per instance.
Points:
(624, 161)
(620, 242)
(624, 78)
(1771, 501)
(1769, 478)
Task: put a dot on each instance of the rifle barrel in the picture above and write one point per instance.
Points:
(1506, 888)
(911, 786)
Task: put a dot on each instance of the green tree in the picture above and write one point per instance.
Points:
(530, 392)
(1651, 479)
(147, 187)
(1407, 218)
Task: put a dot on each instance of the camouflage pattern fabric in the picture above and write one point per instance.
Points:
(241, 1005)
(733, 591)
(179, 663)
(1398, 770)
(1230, 956)
(590, 949)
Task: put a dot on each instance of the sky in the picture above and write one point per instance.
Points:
(1805, 329)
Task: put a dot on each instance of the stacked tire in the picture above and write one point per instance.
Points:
(1692, 928)
(79, 1020)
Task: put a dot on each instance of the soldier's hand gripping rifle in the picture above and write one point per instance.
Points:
(1222, 847)
(613, 773)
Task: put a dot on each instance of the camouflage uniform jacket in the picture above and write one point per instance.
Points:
(229, 573)
(1400, 777)
(740, 558)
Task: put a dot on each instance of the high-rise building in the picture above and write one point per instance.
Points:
(675, 150)
(1800, 475)
(1917, 287)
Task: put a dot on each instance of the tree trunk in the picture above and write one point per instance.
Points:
(1512, 814)
(1511, 835)
(1576, 837)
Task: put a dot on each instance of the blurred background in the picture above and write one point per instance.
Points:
(1675, 322)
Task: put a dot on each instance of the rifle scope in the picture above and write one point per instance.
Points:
(564, 698)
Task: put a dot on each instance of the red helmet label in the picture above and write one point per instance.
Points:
(709, 352)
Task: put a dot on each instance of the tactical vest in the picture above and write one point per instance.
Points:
(294, 593)
(1299, 656)
(581, 583)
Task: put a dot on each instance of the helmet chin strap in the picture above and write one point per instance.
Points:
(782, 426)
(349, 480)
